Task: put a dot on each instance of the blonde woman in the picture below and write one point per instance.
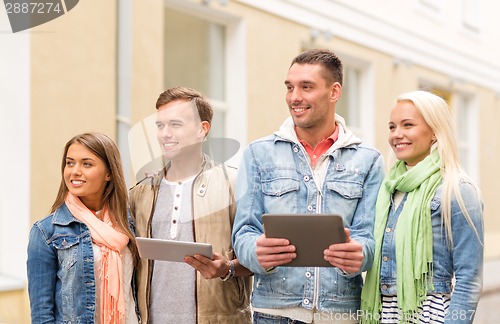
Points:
(81, 257)
(428, 226)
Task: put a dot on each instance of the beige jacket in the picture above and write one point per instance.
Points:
(213, 212)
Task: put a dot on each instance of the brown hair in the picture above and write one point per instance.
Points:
(332, 64)
(204, 108)
(115, 195)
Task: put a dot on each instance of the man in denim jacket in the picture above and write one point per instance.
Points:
(312, 164)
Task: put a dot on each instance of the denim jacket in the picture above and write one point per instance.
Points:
(60, 265)
(464, 259)
(276, 177)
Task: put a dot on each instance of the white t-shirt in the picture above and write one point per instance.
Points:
(128, 270)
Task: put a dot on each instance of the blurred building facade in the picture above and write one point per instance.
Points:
(101, 66)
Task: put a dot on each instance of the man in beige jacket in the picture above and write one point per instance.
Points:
(191, 199)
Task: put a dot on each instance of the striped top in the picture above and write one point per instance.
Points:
(432, 311)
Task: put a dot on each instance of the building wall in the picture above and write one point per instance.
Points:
(268, 61)
(73, 90)
(489, 133)
(15, 174)
(73, 79)
(14, 308)
(147, 53)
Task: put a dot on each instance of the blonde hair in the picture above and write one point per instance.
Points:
(437, 114)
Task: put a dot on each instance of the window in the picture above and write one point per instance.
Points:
(465, 115)
(467, 134)
(197, 41)
(349, 104)
(463, 130)
(195, 57)
(356, 104)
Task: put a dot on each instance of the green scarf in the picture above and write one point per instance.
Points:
(413, 238)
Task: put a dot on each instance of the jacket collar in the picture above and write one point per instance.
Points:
(201, 181)
(62, 216)
(346, 138)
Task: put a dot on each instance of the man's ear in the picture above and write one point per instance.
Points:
(205, 127)
(336, 91)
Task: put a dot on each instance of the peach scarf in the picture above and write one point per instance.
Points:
(111, 243)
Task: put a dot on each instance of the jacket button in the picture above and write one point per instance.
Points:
(295, 149)
(385, 287)
(385, 258)
(388, 230)
(310, 208)
(308, 274)
(306, 178)
(306, 301)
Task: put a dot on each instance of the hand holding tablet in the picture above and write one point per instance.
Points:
(311, 234)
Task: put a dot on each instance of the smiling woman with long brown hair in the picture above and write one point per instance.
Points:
(81, 257)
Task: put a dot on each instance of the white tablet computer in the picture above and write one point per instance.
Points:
(310, 233)
(169, 250)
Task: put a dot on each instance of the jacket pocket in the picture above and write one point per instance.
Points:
(67, 250)
(346, 189)
(342, 197)
(279, 182)
(280, 188)
(348, 288)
